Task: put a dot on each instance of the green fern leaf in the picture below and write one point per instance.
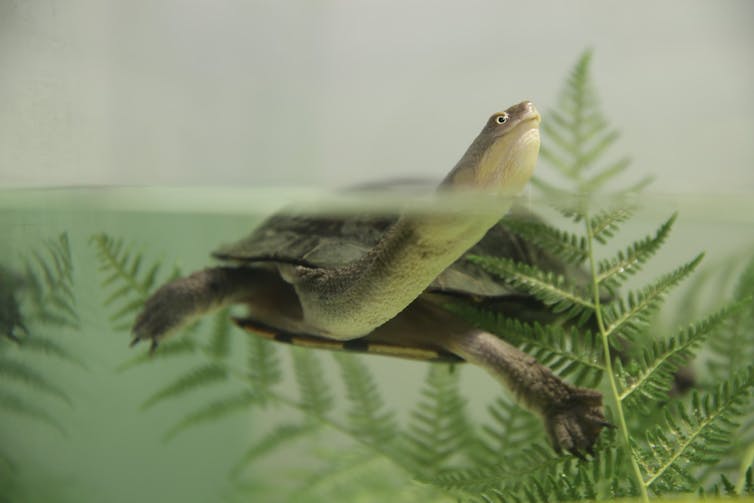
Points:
(597, 181)
(367, 418)
(733, 347)
(439, 429)
(49, 275)
(512, 429)
(508, 475)
(627, 318)
(213, 411)
(605, 224)
(279, 436)
(547, 287)
(577, 135)
(16, 405)
(748, 485)
(315, 393)
(612, 272)
(567, 246)
(128, 285)
(650, 382)
(20, 372)
(197, 378)
(264, 372)
(51, 348)
(698, 436)
(219, 345)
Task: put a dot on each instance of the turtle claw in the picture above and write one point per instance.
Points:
(574, 424)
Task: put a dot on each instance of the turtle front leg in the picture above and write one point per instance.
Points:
(573, 416)
(178, 302)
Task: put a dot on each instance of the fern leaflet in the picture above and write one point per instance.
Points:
(315, 395)
(551, 289)
(613, 272)
(629, 317)
(213, 411)
(23, 373)
(201, 377)
(439, 429)
(700, 435)
(651, 379)
(367, 418)
(128, 282)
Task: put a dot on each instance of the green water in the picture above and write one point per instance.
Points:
(99, 445)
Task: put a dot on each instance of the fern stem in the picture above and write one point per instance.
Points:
(622, 425)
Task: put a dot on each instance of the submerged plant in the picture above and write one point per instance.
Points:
(603, 334)
(37, 306)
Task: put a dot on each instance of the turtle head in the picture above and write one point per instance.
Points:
(502, 157)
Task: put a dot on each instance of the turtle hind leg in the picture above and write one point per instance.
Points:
(573, 416)
(178, 302)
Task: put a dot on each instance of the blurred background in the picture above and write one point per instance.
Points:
(261, 93)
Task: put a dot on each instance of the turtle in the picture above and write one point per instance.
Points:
(379, 283)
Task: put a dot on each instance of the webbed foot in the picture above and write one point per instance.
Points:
(575, 422)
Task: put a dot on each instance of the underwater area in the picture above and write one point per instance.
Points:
(94, 420)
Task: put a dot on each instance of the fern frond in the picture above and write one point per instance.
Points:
(647, 381)
(568, 351)
(747, 487)
(612, 272)
(279, 436)
(170, 349)
(128, 283)
(606, 223)
(597, 181)
(17, 371)
(566, 245)
(367, 417)
(733, 347)
(213, 411)
(577, 135)
(49, 275)
(219, 344)
(263, 370)
(439, 429)
(511, 430)
(694, 437)
(509, 474)
(49, 347)
(14, 404)
(192, 380)
(628, 317)
(315, 393)
(356, 475)
(549, 288)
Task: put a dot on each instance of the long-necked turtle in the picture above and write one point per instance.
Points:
(375, 284)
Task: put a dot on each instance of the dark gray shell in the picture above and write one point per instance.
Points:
(331, 241)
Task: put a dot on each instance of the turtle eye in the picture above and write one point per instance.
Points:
(501, 119)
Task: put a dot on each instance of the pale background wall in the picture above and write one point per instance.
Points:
(331, 92)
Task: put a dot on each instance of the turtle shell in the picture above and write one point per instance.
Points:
(332, 241)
